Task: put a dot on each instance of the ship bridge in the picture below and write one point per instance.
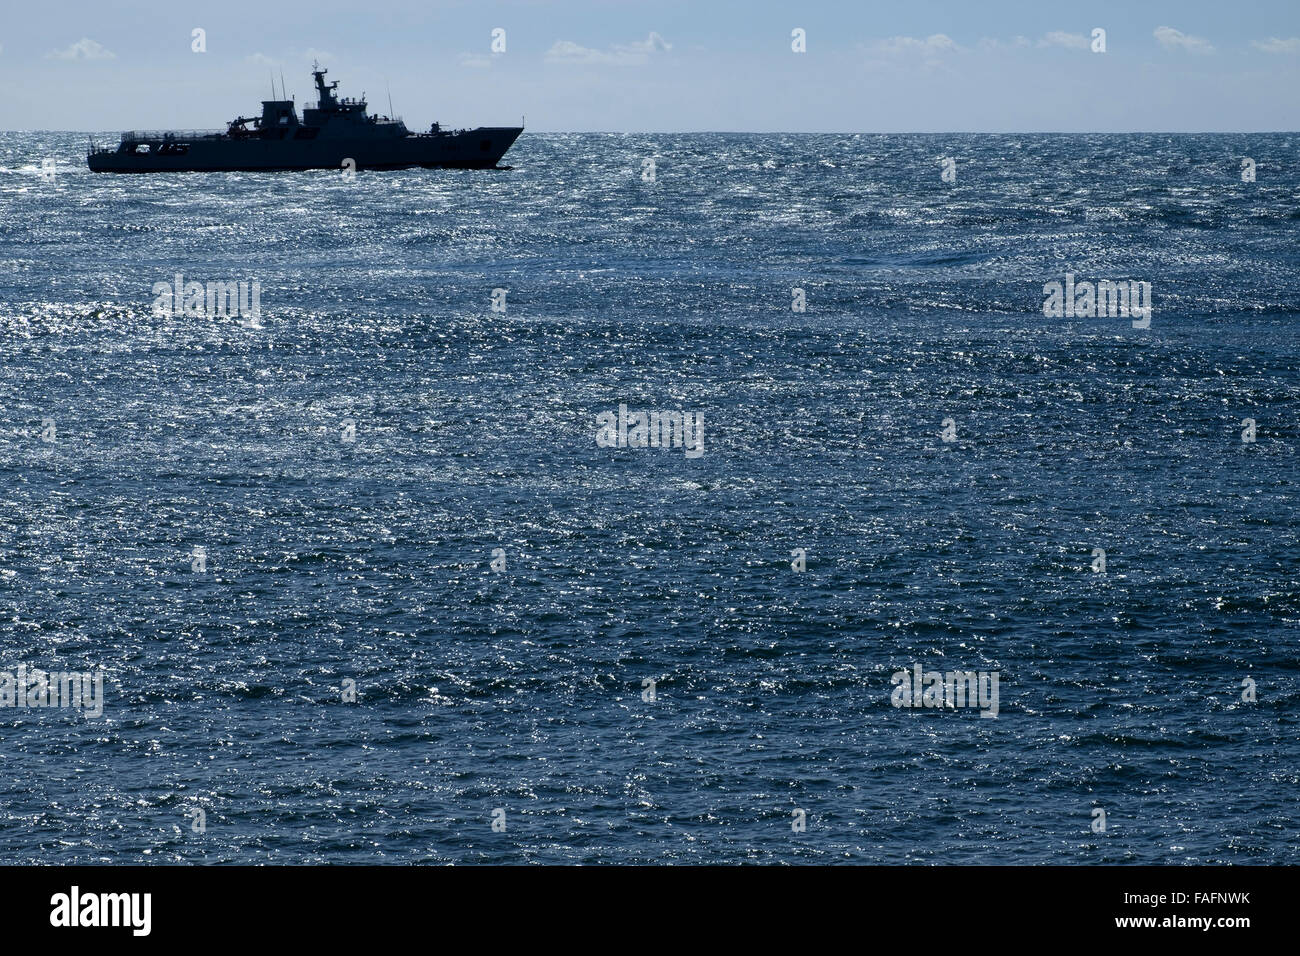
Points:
(335, 116)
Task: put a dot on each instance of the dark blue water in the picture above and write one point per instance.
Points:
(369, 560)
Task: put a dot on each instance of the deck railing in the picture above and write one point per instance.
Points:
(160, 134)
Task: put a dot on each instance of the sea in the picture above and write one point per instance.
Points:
(361, 572)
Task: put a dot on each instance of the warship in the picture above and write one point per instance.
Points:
(332, 134)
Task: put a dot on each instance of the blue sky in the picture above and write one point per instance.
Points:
(667, 65)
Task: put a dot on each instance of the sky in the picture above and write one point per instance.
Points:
(665, 65)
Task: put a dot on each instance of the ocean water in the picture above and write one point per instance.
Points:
(350, 462)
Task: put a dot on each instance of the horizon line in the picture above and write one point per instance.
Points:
(742, 132)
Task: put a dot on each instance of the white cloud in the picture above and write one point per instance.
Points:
(476, 61)
(621, 54)
(1071, 41)
(566, 51)
(932, 45)
(654, 43)
(1172, 39)
(83, 49)
(1291, 45)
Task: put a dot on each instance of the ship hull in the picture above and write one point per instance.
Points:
(480, 148)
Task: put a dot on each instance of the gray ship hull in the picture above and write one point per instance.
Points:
(480, 148)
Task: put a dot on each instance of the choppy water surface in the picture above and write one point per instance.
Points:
(329, 560)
